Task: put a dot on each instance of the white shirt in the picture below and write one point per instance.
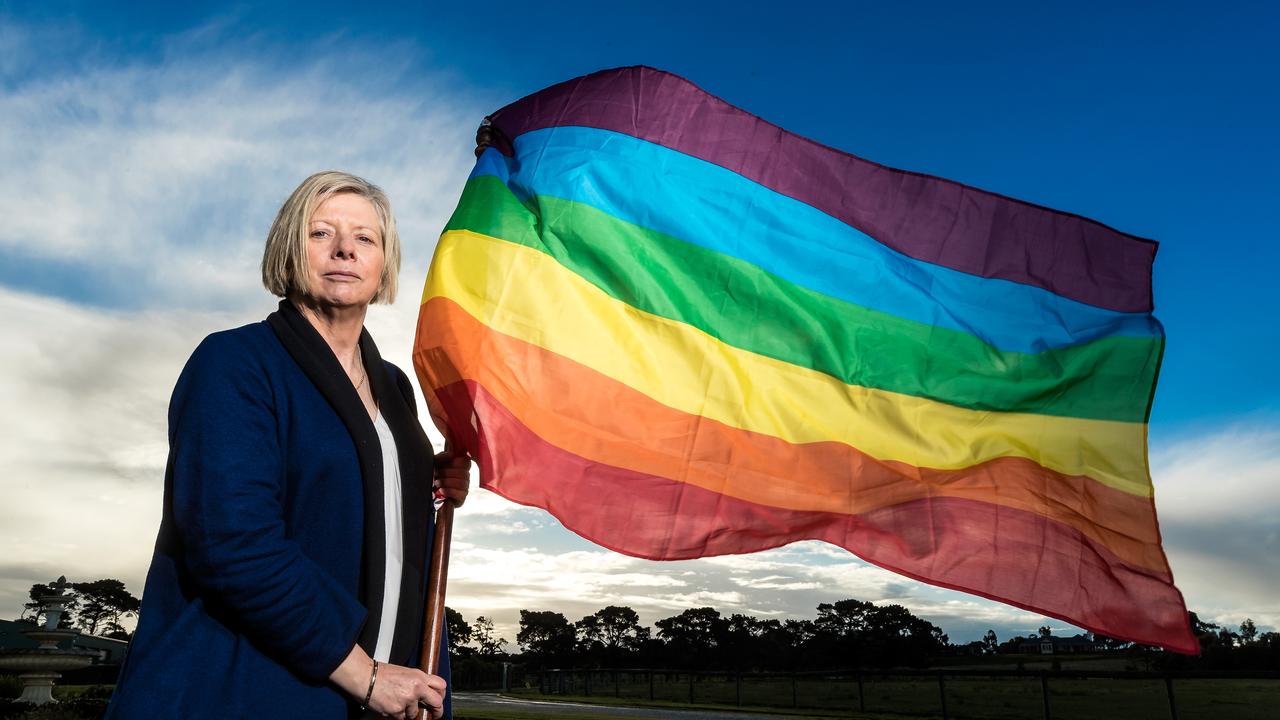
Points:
(394, 524)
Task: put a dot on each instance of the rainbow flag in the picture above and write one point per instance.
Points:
(684, 331)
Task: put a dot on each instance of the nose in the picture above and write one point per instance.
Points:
(344, 246)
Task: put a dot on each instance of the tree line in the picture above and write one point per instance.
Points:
(845, 634)
(848, 633)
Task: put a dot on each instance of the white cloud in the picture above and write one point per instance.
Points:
(1218, 496)
(1229, 473)
(83, 419)
(159, 180)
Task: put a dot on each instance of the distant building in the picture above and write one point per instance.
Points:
(110, 651)
(1059, 646)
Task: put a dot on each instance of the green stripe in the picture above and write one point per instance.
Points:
(744, 306)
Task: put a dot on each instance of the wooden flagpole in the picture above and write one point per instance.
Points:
(438, 570)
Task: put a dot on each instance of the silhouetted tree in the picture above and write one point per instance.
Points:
(989, 642)
(103, 603)
(1106, 642)
(749, 643)
(459, 632)
(1248, 631)
(854, 632)
(610, 635)
(33, 611)
(487, 645)
(691, 636)
(546, 638)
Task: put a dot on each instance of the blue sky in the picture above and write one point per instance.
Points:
(146, 146)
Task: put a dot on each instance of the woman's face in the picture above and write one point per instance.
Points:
(344, 251)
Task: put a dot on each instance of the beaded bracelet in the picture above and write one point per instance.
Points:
(373, 678)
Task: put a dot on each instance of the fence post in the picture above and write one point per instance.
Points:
(1173, 703)
(650, 683)
(586, 683)
(862, 704)
(615, 684)
(738, 680)
(942, 695)
(1044, 692)
(795, 698)
(690, 687)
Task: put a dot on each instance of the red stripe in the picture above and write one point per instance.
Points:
(1009, 555)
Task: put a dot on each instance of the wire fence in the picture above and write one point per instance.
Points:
(985, 694)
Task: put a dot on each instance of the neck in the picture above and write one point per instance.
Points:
(339, 326)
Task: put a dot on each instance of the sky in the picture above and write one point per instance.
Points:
(144, 150)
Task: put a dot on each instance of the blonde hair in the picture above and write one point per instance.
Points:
(284, 259)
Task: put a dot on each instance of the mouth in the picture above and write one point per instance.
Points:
(341, 276)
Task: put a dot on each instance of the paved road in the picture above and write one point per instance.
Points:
(479, 701)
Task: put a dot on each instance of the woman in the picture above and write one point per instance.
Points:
(288, 576)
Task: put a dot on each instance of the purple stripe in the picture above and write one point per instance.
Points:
(927, 218)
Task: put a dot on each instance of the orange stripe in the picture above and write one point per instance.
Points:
(592, 415)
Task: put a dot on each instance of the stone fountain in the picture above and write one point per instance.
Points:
(39, 667)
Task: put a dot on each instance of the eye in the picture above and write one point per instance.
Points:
(319, 233)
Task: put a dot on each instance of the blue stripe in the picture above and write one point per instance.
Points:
(702, 203)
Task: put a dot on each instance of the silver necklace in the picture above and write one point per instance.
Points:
(364, 374)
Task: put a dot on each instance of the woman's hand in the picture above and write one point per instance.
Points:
(452, 477)
(401, 691)
(398, 691)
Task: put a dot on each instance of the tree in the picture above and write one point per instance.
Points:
(613, 633)
(103, 603)
(1248, 631)
(990, 642)
(1046, 632)
(747, 643)
(458, 630)
(34, 612)
(799, 633)
(482, 634)
(693, 628)
(854, 631)
(691, 635)
(546, 637)
(1106, 642)
(844, 619)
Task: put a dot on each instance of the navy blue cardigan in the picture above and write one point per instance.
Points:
(269, 563)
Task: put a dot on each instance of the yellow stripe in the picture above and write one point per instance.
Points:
(528, 295)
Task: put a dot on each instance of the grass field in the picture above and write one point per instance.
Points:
(979, 698)
(976, 698)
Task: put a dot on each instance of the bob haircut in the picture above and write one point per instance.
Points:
(284, 260)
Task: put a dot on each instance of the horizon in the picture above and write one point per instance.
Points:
(155, 143)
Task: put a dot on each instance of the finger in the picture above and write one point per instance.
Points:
(458, 499)
(449, 459)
